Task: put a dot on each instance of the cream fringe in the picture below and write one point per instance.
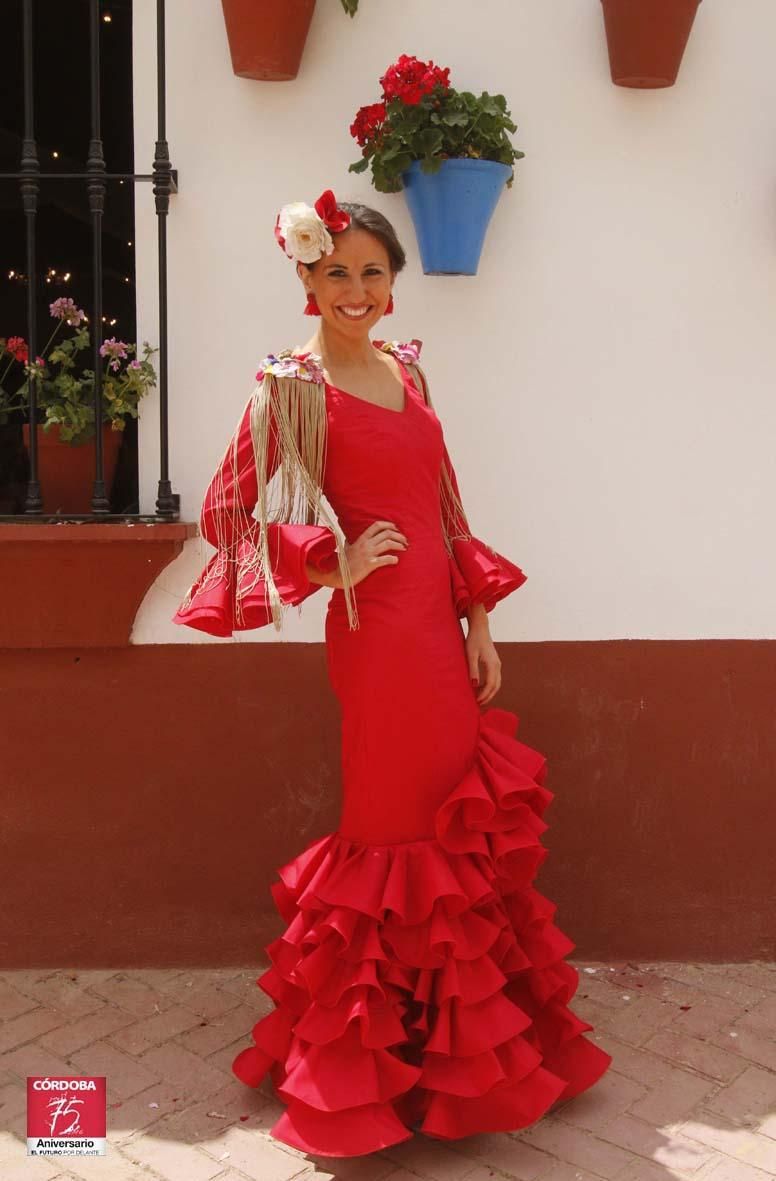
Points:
(296, 411)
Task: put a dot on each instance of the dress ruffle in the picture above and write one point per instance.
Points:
(211, 605)
(424, 983)
(478, 574)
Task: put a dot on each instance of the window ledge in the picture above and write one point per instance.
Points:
(80, 584)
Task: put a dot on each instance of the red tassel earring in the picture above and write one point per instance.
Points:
(311, 307)
(389, 306)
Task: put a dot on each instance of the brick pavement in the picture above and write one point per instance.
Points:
(691, 1093)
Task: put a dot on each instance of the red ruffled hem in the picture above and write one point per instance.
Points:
(478, 574)
(211, 604)
(424, 983)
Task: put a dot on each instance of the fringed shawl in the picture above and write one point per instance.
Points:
(288, 428)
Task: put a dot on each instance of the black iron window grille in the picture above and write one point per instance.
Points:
(96, 178)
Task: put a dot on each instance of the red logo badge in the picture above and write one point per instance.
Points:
(66, 1115)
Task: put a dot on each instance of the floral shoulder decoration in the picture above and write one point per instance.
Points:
(308, 366)
(407, 351)
(305, 366)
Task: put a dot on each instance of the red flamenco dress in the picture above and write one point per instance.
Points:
(420, 981)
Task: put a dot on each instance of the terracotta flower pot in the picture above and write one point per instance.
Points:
(267, 37)
(66, 473)
(646, 39)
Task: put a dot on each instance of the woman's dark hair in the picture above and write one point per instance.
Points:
(363, 217)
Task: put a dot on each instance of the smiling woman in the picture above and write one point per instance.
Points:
(420, 982)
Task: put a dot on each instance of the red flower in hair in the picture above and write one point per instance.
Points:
(333, 218)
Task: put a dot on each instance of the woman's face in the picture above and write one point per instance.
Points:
(353, 284)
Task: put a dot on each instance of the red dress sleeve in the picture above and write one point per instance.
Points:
(478, 574)
(230, 595)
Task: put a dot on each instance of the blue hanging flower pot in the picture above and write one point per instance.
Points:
(452, 209)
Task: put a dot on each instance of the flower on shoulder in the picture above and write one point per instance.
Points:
(289, 364)
(407, 351)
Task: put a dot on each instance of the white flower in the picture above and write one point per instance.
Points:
(305, 232)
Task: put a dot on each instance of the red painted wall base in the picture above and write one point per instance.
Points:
(148, 795)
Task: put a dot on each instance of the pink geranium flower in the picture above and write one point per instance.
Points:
(64, 309)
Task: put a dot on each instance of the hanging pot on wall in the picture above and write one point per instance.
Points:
(267, 37)
(451, 210)
(646, 39)
(66, 472)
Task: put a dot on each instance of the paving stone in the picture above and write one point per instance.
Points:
(114, 1166)
(142, 1035)
(704, 977)
(208, 1000)
(676, 1096)
(34, 1059)
(658, 1145)
(507, 1153)
(172, 1161)
(430, 1159)
(136, 1113)
(748, 1098)
(74, 1035)
(135, 997)
(124, 1076)
(12, 1001)
(209, 1035)
(577, 1146)
(730, 1139)
(760, 1017)
(638, 1018)
(595, 1108)
(255, 1156)
(65, 992)
(28, 1026)
(705, 1016)
(747, 1044)
(699, 1055)
(732, 1170)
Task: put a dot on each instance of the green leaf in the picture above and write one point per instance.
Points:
(360, 165)
(455, 118)
(429, 141)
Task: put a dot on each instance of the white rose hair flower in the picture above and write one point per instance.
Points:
(304, 233)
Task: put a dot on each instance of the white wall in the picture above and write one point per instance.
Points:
(606, 382)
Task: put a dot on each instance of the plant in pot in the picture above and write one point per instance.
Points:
(646, 40)
(65, 404)
(449, 150)
(267, 37)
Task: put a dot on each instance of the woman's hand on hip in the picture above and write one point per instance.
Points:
(372, 549)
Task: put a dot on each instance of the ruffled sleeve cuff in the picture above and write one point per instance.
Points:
(480, 575)
(229, 596)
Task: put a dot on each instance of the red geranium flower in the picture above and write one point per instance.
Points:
(18, 346)
(367, 123)
(409, 79)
